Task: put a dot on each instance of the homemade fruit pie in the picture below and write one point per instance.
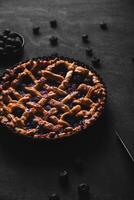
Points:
(50, 98)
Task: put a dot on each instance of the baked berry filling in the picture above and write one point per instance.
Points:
(75, 81)
(42, 130)
(73, 120)
(77, 78)
(60, 69)
(94, 97)
(21, 88)
(17, 111)
(27, 80)
(30, 123)
(52, 82)
(59, 113)
(35, 99)
(71, 87)
(47, 107)
(89, 81)
(80, 94)
(13, 96)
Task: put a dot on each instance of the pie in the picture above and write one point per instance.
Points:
(50, 98)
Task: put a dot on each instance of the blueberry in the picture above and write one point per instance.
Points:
(63, 176)
(9, 41)
(12, 35)
(85, 38)
(54, 197)
(8, 48)
(17, 43)
(95, 62)
(1, 43)
(103, 26)
(36, 30)
(47, 107)
(83, 190)
(89, 52)
(133, 59)
(6, 32)
(53, 40)
(53, 23)
(5, 38)
(1, 37)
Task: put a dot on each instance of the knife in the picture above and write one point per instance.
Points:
(124, 146)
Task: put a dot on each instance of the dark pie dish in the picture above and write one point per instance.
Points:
(50, 98)
(11, 45)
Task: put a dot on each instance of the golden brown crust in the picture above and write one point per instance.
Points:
(50, 98)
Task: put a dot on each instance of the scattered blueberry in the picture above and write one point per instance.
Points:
(85, 38)
(5, 38)
(95, 62)
(89, 52)
(6, 32)
(1, 37)
(63, 176)
(53, 23)
(53, 40)
(83, 190)
(103, 26)
(133, 59)
(1, 43)
(36, 30)
(54, 197)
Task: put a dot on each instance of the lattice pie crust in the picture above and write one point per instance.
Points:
(50, 98)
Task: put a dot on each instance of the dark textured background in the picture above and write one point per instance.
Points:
(31, 174)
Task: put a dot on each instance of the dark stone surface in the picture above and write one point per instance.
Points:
(31, 172)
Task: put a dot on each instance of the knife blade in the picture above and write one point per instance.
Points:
(124, 146)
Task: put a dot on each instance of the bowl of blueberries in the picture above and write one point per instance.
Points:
(11, 44)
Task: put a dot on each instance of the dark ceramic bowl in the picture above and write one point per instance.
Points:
(17, 52)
